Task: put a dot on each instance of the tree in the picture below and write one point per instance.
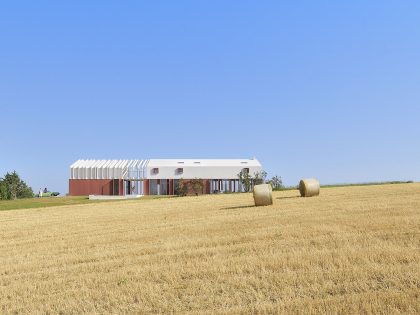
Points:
(259, 177)
(181, 188)
(245, 179)
(3, 190)
(12, 187)
(184, 186)
(197, 185)
(276, 182)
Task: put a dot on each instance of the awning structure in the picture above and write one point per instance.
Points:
(108, 169)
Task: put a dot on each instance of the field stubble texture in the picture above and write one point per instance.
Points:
(350, 250)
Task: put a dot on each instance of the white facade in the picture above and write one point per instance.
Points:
(163, 168)
(200, 168)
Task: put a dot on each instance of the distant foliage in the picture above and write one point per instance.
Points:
(3, 190)
(276, 182)
(259, 177)
(12, 187)
(248, 181)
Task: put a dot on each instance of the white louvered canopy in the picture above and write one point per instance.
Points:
(108, 169)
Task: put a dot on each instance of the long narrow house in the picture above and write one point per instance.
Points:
(157, 176)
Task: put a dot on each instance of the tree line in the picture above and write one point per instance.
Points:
(247, 180)
(13, 187)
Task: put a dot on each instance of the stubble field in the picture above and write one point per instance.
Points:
(350, 250)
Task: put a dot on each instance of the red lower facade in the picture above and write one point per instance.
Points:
(84, 187)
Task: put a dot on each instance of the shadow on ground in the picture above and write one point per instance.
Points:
(288, 197)
(237, 207)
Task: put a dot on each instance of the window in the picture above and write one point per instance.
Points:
(196, 162)
(153, 187)
(155, 170)
(116, 187)
(163, 187)
(245, 170)
(180, 170)
(176, 188)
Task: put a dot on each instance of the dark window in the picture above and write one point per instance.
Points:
(180, 170)
(153, 187)
(155, 170)
(176, 188)
(116, 186)
(128, 187)
(163, 187)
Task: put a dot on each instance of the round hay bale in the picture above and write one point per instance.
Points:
(309, 187)
(263, 195)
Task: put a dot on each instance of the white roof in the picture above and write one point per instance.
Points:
(203, 162)
(165, 162)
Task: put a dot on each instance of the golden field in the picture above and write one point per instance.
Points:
(350, 250)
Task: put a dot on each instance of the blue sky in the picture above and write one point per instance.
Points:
(311, 88)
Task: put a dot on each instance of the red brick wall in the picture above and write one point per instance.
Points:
(206, 186)
(121, 187)
(146, 187)
(171, 187)
(84, 187)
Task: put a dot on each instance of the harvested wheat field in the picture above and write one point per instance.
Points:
(350, 250)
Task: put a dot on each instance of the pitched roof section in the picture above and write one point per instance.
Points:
(203, 162)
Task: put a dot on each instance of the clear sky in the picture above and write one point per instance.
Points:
(329, 89)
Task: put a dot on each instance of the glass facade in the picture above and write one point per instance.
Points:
(212, 186)
(153, 186)
(176, 181)
(227, 185)
(163, 186)
(116, 187)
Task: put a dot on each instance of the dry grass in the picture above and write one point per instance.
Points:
(351, 250)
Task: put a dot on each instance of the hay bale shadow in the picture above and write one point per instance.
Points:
(288, 197)
(237, 207)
